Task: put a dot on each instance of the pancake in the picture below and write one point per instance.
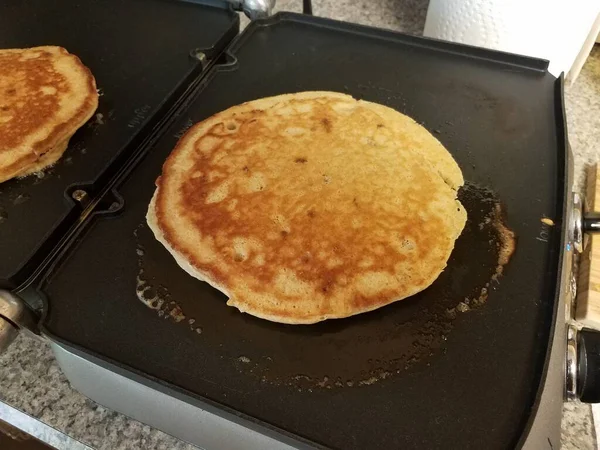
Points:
(309, 206)
(46, 94)
(46, 160)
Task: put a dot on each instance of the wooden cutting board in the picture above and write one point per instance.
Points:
(588, 289)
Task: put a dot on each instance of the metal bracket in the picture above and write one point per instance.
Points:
(583, 365)
(15, 316)
(573, 246)
(576, 228)
(81, 196)
(200, 56)
(571, 370)
(254, 9)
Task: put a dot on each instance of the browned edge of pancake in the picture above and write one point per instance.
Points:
(165, 236)
(61, 132)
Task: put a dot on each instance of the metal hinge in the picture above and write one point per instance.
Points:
(254, 9)
(572, 369)
(15, 316)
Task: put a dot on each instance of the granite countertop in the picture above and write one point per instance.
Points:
(31, 381)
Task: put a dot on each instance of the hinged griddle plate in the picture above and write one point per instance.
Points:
(501, 118)
(139, 53)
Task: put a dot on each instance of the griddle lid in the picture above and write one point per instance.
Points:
(139, 53)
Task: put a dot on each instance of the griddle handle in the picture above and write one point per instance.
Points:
(588, 373)
(591, 223)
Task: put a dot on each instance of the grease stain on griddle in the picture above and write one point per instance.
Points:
(12, 198)
(356, 352)
(157, 297)
(369, 348)
(21, 198)
(97, 121)
(505, 242)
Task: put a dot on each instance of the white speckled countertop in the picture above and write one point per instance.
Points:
(31, 381)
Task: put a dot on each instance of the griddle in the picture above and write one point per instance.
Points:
(415, 374)
(138, 84)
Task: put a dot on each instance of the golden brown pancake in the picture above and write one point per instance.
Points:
(309, 206)
(46, 160)
(46, 94)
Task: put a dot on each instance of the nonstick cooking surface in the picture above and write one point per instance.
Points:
(138, 82)
(415, 374)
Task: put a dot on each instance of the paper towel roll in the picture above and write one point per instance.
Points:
(555, 30)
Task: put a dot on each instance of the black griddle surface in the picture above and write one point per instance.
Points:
(138, 51)
(499, 115)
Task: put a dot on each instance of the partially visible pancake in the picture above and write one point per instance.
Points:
(309, 206)
(46, 160)
(46, 94)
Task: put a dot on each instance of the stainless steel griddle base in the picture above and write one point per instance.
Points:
(481, 390)
(212, 432)
(169, 414)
